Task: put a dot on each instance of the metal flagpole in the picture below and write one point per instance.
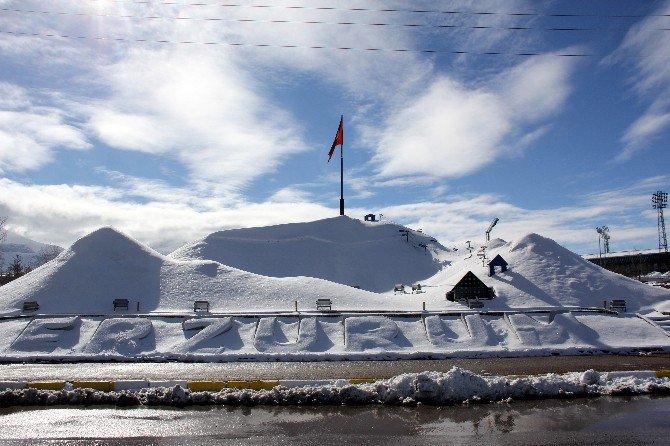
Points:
(342, 168)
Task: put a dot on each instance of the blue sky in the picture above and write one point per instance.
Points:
(171, 141)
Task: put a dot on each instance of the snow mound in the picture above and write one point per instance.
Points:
(372, 255)
(107, 265)
(544, 274)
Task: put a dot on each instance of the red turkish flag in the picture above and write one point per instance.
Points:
(339, 140)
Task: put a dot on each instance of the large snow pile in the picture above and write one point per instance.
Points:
(543, 274)
(458, 386)
(107, 265)
(372, 255)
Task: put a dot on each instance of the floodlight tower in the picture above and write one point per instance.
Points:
(488, 231)
(604, 235)
(659, 201)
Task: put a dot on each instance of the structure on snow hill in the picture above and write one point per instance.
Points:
(470, 287)
(497, 261)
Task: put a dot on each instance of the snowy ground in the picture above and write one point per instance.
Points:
(548, 301)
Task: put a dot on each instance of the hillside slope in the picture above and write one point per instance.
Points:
(371, 255)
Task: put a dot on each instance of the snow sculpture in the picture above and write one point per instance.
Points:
(459, 332)
(271, 335)
(206, 329)
(122, 336)
(536, 333)
(373, 333)
(47, 335)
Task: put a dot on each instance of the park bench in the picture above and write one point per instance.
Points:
(201, 305)
(416, 288)
(323, 304)
(399, 288)
(120, 304)
(475, 304)
(31, 306)
(618, 305)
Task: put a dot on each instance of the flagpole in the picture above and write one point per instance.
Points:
(342, 171)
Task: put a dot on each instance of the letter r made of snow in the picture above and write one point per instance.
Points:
(121, 336)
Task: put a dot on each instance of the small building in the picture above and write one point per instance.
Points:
(370, 217)
(497, 261)
(470, 287)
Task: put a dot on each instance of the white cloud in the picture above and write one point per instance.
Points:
(451, 130)
(165, 217)
(30, 133)
(196, 106)
(650, 77)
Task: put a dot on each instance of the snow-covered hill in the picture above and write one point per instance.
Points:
(107, 264)
(372, 255)
(542, 273)
(252, 315)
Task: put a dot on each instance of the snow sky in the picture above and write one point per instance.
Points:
(171, 141)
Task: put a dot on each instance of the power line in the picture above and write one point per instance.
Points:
(314, 22)
(414, 11)
(312, 47)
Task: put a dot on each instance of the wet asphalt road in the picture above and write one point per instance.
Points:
(326, 370)
(606, 421)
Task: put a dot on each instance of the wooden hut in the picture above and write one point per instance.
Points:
(470, 287)
(497, 261)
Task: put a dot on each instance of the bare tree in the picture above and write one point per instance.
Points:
(47, 254)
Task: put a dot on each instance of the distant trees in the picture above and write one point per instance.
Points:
(15, 270)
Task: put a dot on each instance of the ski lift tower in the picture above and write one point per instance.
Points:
(604, 234)
(659, 201)
(488, 231)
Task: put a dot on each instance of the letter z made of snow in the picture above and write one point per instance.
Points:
(201, 334)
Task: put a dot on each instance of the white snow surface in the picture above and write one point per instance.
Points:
(372, 255)
(538, 308)
(106, 265)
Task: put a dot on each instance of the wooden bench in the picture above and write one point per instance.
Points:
(31, 306)
(120, 304)
(618, 305)
(475, 304)
(416, 288)
(323, 304)
(399, 288)
(201, 305)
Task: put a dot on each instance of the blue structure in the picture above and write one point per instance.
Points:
(497, 261)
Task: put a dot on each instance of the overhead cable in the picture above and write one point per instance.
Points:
(312, 22)
(415, 11)
(312, 47)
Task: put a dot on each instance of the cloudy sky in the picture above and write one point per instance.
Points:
(171, 120)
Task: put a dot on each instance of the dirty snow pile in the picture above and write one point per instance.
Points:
(435, 388)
